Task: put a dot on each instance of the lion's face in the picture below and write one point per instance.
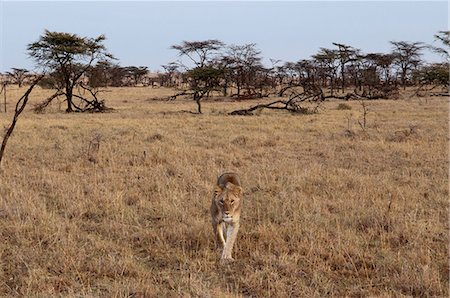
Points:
(228, 201)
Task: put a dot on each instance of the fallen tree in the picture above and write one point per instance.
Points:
(307, 101)
(90, 103)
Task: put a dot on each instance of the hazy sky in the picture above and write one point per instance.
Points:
(141, 33)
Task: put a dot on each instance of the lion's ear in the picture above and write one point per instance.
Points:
(238, 191)
(217, 191)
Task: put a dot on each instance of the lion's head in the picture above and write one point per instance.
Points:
(228, 201)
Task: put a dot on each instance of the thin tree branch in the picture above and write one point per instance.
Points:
(20, 106)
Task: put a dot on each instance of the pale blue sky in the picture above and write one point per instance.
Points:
(141, 33)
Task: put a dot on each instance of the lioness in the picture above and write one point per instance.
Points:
(226, 210)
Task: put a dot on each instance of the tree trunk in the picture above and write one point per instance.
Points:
(4, 95)
(331, 85)
(69, 96)
(69, 102)
(225, 88)
(404, 70)
(197, 99)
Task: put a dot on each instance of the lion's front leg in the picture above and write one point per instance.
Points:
(232, 231)
(218, 233)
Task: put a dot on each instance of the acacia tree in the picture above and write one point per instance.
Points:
(383, 63)
(406, 57)
(327, 65)
(136, 73)
(68, 57)
(167, 78)
(444, 38)
(244, 65)
(202, 81)
(101, 74)
(199, 52)
(345, 54)
(434, 75)
(204, 76)
(17, 75)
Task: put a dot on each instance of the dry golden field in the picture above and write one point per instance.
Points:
(117, 204)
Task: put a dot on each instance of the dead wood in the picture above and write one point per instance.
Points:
(306, 102)
(40, 107)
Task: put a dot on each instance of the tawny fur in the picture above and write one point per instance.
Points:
(226, 208)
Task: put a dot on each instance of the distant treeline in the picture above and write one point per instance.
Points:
(212, 68)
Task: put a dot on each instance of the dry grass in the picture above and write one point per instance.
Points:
(117, 204)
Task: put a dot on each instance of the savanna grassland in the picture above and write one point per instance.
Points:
(117, 204)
